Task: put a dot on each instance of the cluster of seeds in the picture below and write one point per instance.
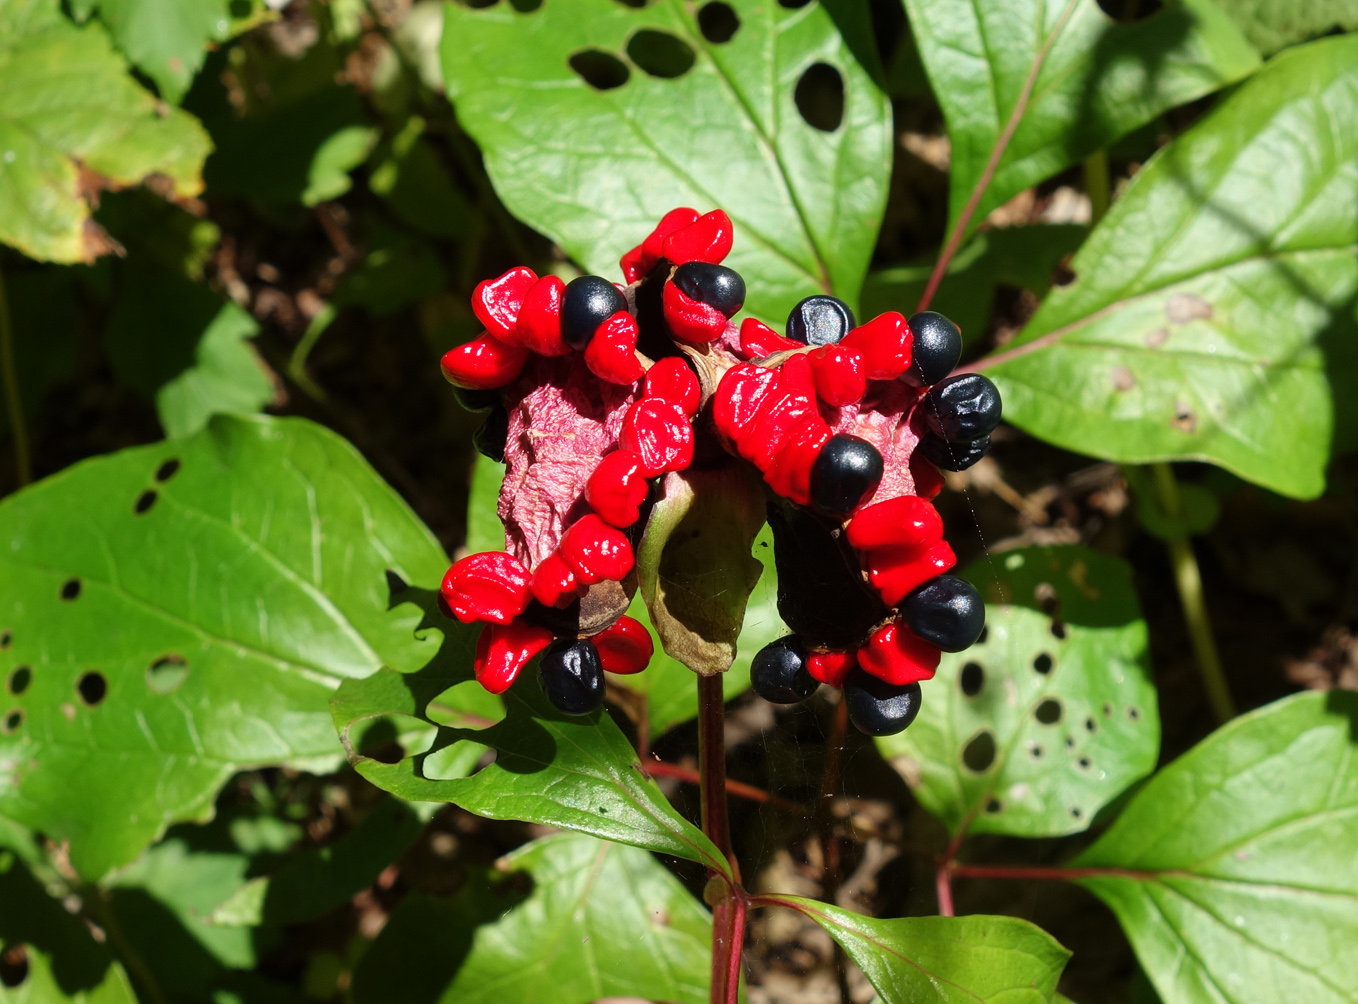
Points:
(597, 390)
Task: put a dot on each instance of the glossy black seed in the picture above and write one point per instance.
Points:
(947, 612)
(778, 672)
(820, 320)
(963, 407)
(846, 471)
(877, 707)
(715, 285)
(948, 456)
(936, 348)
(476, 400)
(489, 440)
(589, 301)
(572, 676)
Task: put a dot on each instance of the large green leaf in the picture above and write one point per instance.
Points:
(1232, 870)
(601, 920)
(944, 960)
(1075, 79)
(72, 121)
(1273, 24)
(178, 611)
(1213, 313)
(1033, 730)
(166, 39)
(595, 169)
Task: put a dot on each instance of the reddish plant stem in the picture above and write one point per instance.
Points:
(659, 768)
(829, 840)
(943, 887)
(728, 912)
(728, 942)
(1039, 872)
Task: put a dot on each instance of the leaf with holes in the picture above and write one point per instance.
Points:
(1062, 79)
(71, 122)
(1232, 870)
(576, 772)
(567, 919)
(173, 613)
(1213, 317)
(597, 118)
(1273, 24)
(1052, 715)
(944, 960)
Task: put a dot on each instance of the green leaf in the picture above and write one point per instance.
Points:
(1199, 506)
(595, 169)
(1048, 719)
(949, 960)
(219, 619)
(166, 39)
(1213, 313)
(1232, 869)
(72, 121)
(413, 181)
(1090, 80)
(567, 919)
(1272, 24)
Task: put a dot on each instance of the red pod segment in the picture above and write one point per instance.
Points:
(612, 353)
(688, 319)
(707, 238)
(792, 400)
(830, 667)
(659, 434)
(671, 380)
(625, 647)
(484, 363)
(740, 394)
(539, 323)
(899, 656)
(596, 551)
(758, 340)
(885, 342)
(895, 571)
(496, 302)
(553, 583)
(617, 488)
(903, 521)
(490, 586)
(839, 374)
(503, 650)
(790, 474)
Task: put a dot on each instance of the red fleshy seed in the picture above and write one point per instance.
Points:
(554, 584)
(496, 302)
(928, 479)
(838, 372)
(790, 474)
(503, 650)
(659, 434)
(904, 521)
(631, 264)
(894, 571)
(654, 244)
(490, 586)
(708, 238)
(830, 667)
(624, 647)
(885, 342)
(483, 363)
(596, 551)
(899, 656)
(758, 340)
(617, 488)
(793, 399)
(539, 324)
(612, 353)
(688, 320)
(740, 394)
(671, 380)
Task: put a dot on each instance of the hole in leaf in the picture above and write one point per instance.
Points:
(6, 639)
(13, 966)
(92, 687)
(1058, 630)
(167, 470)
(973, 679)
(979, 752)
(601, 70)
(1083, 762)
(985, 633)
(1070, 742)
(793, 4)
(1043, 663)
(1133, 714)
(391, 738)
(1107, 709)
(70, 590)
(395, 584)
(1047, 600)
(20, 679)
(12, 721)
(993, 807)
(1127, 11)
(167, 674)
(820, 97)
(1035, 751)
(480, 4)
(634, 4)
(1049, 712)
(465, 705)
(459, 759)
(660, 54)
(718, 22)
(1091, 725)
(525, 6)
(145, 501)
(1076, 812)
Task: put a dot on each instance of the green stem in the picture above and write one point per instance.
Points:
(1097, 185)
(297, 363)
(1189, 580)
(18, 430)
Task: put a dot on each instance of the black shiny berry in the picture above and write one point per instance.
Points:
(589, 301)
(936, 348)
(948, 456)
(846, 471)
(476, 400)
(947, 612)
(963, 407)
(820, 320)
(572, 676)
(489, 440)
(778, 672)
(715, 285)
(877, 707)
